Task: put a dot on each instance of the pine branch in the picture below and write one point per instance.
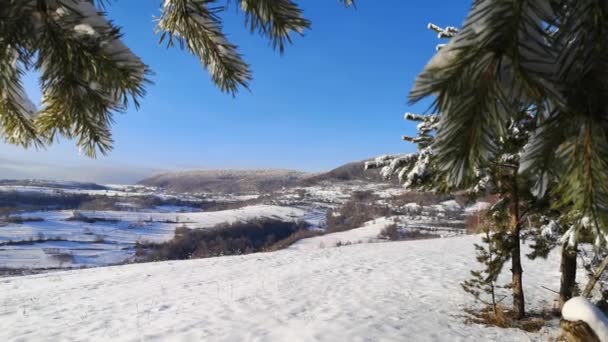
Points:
(482, 75)
(16, 109)
(348, 3)
(86, 75)
(196, 26)
(275, 19)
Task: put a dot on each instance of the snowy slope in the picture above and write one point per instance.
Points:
(368, 233)
(117, 238)
(402, 291)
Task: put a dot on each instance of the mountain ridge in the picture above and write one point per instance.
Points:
(257, 180)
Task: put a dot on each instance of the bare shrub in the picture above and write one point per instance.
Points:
(63, 257)
(40, 239)
(390, 232)
(99, 204)
(225, 239)
(419, 235)
(353, 214)
(363, 196)
(476, 222)
(20, 219)
(421, 198)
(80, 217)
(293, 238)
(504, 318)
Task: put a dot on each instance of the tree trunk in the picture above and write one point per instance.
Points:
(578, 332)
(518, 290)
(568, 270)
(517, 272)
(596, 276)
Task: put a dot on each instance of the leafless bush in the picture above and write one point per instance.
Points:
(225, 239)
(293, 238)
(390, 232)
(20, 219)
(80, 217)
(475, 222)
(63, 257)
(353, 214)
(99, 204)
(363, 196)
(421, 198)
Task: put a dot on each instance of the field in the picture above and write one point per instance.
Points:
(395, 291)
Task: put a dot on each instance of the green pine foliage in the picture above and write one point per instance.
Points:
(546, 58)
(492, 254)
(87, 74)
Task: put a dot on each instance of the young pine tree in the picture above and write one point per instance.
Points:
(492, 254)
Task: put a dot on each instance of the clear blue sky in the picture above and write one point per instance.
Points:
(338, 94)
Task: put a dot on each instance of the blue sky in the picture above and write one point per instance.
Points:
(338, 94)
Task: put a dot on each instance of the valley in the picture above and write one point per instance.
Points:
(63, 225)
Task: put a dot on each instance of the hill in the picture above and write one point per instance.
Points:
(354, 171)
(401, 291)
(240, 181)
(225, 181)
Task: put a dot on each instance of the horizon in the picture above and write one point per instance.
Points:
(110, 173)
(348, 80)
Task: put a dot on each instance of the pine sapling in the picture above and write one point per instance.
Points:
(492, 255)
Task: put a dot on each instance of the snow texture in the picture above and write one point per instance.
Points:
(365, 234)
(580, 309)
(401, 291)
(112, 241)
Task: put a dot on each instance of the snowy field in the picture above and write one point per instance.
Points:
(400, 291)
(112, 240)
(55, 241)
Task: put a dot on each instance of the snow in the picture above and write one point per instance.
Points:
(399, 291)
(413, 206)
(580, 309)
(477, 207)
(120, 231)
(63, 254)
(368, 233)
(451, 205)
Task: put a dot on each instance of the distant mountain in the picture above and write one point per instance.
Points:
(87, 171)
(354, 171)
(239, 181)
(52, 184)
(225, 181)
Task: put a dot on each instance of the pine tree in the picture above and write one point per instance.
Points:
(492, 254)
(424, 170)
(546, 57)
(87, 73)
(414, 170)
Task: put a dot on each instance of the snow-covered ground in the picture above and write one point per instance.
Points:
(399, 291)
(122, 191)
(366, 234)
(112, 241)
(56, 242)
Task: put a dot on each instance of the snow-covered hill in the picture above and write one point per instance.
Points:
(112, 240)
(402, 291)
(224, 181)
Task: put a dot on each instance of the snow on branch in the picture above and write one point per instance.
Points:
(446, 32)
